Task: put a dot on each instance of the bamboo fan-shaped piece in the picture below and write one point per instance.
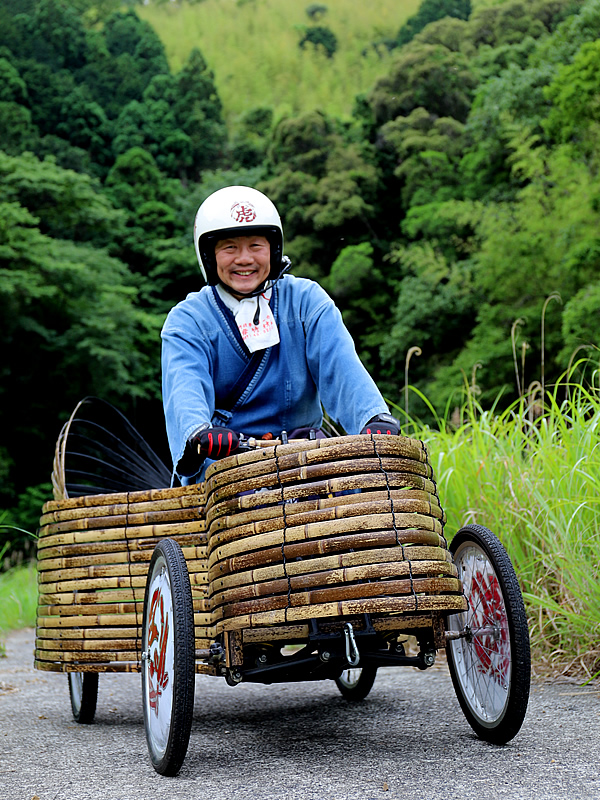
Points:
(98, 451)
(96, 540)
(330, 527)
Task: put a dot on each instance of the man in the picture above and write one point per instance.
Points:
(255, 351)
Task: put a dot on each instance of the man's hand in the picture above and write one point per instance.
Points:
(214, 442)
(383, 423)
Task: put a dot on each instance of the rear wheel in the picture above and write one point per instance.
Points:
(356, 683)
(83, 690)
(168, 658)
(490, 663)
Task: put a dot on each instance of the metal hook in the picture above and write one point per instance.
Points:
(352, 654)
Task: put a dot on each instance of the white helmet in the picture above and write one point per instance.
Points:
(236, 211)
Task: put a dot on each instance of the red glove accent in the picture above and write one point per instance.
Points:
(216, 442)
(388, 425)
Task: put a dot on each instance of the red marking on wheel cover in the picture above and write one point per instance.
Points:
(488, 610)
(158, 675)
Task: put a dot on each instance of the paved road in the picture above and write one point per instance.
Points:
(407, 741)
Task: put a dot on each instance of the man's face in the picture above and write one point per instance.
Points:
(243, 262)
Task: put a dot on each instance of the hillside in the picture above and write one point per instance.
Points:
(252, 46)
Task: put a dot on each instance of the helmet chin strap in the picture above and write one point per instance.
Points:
(287, 264)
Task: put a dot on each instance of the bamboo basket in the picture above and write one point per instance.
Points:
(93, 558)
(275, 537)
(327, 528)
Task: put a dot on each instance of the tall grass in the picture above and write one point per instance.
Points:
(18, 599)
(536, 484)
(252, 48)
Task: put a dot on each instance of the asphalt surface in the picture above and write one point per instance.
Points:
(407, 741)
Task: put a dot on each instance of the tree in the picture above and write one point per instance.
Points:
(71, 327)
(430, 11)
(322, 38)
(427, 76)
(67, 204)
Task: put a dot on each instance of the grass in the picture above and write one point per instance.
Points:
(536, 484)
(18, 599)
(252, 48)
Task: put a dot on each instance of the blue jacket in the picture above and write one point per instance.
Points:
(315, 362)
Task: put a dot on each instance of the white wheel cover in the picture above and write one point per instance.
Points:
(158, 666)
(483, 665)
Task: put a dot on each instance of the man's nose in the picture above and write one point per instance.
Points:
(245, 256)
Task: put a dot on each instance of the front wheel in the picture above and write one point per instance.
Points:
(83, 691)
(355, 684)
(168, 658)
(490, 664)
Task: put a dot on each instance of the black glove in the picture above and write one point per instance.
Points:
(214, 442)
(383, 423)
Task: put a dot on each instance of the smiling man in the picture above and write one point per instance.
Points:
(255, 351)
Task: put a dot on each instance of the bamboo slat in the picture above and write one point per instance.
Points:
(332, 562)
(368, 572)
(121, 520)
(311, 472)
(320, 547)
(124, 533)
(124, 546)
(323, 490)
(361, 507)
(337, 456)
(146, 495)
(167, 505)
(345, 444)
(360, 592)
(273, 509)
(347, 608)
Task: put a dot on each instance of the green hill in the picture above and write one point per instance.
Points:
(253, 48)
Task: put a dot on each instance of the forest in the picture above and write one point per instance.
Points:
(452, 209)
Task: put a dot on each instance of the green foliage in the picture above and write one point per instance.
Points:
(19, 598)
(321, 38)
(316, 11)
(575, 95)
(270, 69)
(431, 11)
(534, 481)
(424, 76)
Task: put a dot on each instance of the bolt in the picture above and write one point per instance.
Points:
(262, 658)
(429, 659)
(325, 656)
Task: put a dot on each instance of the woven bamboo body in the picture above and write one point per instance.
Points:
(275, 537)
(93, 558)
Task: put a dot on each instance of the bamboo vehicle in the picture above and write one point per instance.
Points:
(300, 560)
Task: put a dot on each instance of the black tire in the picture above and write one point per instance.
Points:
(491, 671)
(168, 658)
(83, 691)
(356, 683)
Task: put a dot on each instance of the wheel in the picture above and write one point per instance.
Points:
(490, 666)
(83, 690)
(168, 658)
(355, 684)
